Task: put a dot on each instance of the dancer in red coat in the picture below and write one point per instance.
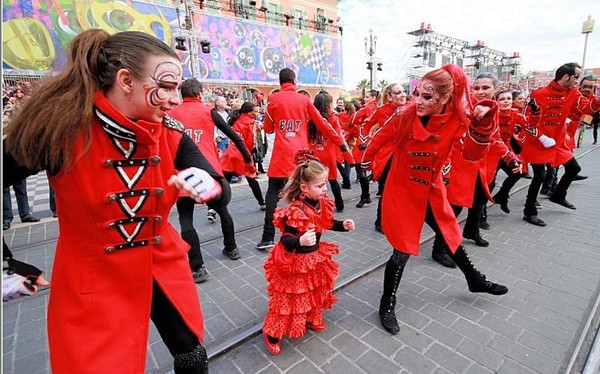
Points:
(324, 150)
(300, 269)
(393, 103)
(361, 137)
(509, 119)
(243, 122)
(546, 141)
(423, 136)
(113, 162)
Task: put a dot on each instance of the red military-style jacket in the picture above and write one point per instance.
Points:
(462, 173)
(325, 150)
(114, 241)
(575, 124)
(557, 103)
(232, 160)
(500, 147)
(415, 177)
(287, 114)
(381, 118)
(359, 133)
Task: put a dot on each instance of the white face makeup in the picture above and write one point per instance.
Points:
(427, 100)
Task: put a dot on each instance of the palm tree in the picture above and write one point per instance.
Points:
(363, 84)
(382, 84)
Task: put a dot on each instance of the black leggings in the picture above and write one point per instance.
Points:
(185, 347)
(474, 214)
(271, 199)
(254, 186)
(364, 182)
(336, 191)
(176, 335)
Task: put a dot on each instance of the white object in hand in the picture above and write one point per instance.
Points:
(198, 178)
(547, 141)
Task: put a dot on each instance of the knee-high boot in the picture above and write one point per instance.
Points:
(391, 280)
(194, 254)
(476, 281)
(194, 362)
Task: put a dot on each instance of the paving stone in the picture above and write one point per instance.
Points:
(414, 361)
(447, 358)
(373, 362)
(481, 354)
(341, 364)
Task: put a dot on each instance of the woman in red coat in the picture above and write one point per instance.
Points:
(243, 122)
(393, 102)
(361, 137)
(112, 162)
(423, 136)
(509, 118)
(323, 149)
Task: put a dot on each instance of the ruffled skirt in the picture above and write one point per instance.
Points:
(300, 286)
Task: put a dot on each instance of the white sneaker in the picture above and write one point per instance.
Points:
(211, 215)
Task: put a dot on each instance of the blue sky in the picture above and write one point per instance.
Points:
(546, 33)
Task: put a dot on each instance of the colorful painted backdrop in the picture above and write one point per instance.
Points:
(35, 33)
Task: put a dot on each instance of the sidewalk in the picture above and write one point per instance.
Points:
(552, 274)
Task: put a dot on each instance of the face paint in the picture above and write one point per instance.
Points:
(427, 100)
(155, 93)
(165, 80)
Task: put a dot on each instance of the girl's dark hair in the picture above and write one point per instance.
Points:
(323, 103)
(247, 107)
(516, 94)
(500, 92)
(60, 110)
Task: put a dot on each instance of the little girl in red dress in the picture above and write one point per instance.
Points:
(300, 269)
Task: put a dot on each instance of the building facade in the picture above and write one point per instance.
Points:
(234, 44)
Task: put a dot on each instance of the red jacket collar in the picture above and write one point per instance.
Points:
(192, 99)
(288, 87)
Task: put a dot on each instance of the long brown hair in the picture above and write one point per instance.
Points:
(43, 134)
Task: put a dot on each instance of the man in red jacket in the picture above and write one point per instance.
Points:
(200, 126)
(287, 114)
(546, 140)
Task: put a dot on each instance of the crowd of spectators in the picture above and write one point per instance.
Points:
(13, 95)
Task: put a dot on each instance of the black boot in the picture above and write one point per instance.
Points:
(503, 202)
(392, 277)
(387, 314)
(476, 281)
(440, 255)
(195, 362)
(483, 223)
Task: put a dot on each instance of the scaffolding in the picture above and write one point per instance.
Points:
(431, 50)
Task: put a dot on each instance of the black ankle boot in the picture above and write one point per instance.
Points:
(476, 281)
(440, 255)
(387, 314)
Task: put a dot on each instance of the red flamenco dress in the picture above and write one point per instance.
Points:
(300, 279)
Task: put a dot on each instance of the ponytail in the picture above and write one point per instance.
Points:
(60, 111)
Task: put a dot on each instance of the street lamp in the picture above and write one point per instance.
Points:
(370, 48)
(586, 28)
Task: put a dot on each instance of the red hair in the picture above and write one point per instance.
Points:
(450, 79)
